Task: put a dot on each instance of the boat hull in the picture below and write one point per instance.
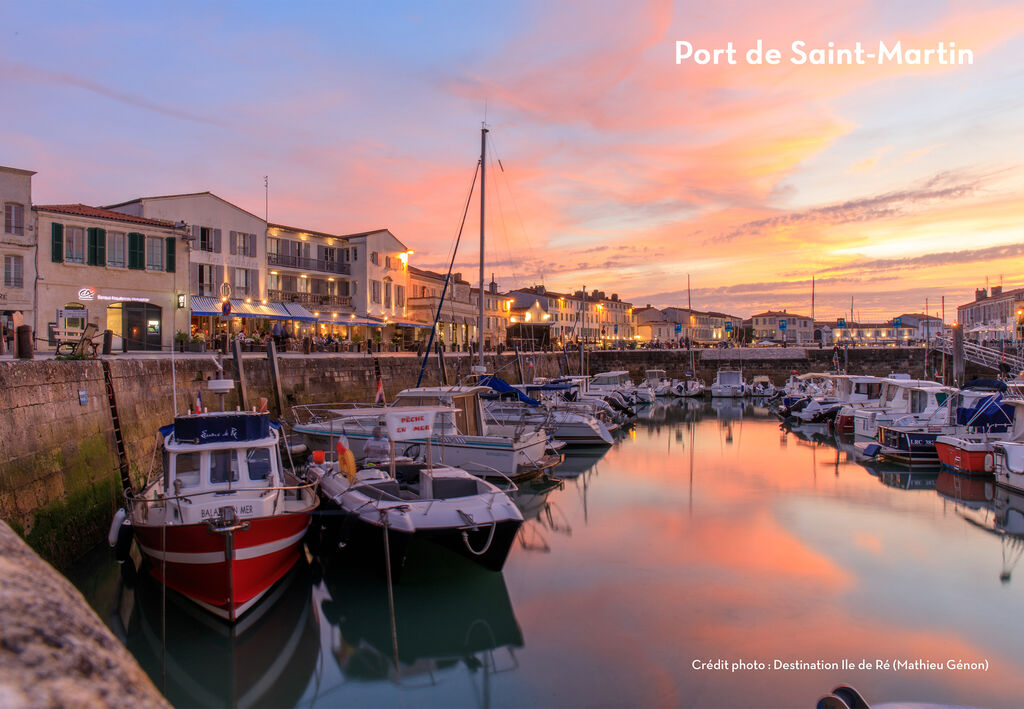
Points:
(975, 458)
(225, 573)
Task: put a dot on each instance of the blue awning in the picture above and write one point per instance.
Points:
(406, 323)
(203, 305)
(297, 312)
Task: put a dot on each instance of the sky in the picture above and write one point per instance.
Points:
(610, 166)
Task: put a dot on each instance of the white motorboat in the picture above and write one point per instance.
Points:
(405, 499)
(658, 382)
(463, 436)
(729, 383)
(1008, 455)
(762, 386)
(894, 401)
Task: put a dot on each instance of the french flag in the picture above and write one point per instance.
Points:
(379, 399)
(199, 402)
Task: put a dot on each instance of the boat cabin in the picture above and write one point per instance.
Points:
(220, 452)
(729, 377)
(613, 380)
(468, 417)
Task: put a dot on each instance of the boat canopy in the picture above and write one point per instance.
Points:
(220, 427)
(502, 387)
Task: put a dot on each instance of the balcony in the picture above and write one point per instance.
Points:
(308, 264)
(318, 299)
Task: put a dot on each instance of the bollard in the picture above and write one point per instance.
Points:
(23, 345)
(108, 341)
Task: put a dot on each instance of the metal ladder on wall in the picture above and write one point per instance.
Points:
(974, 353)
(122, 456)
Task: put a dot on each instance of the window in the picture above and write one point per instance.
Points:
(247, 245)
(223, 467)
(13, 271)
(374, 291)
(115, 249)
(155, 254)
(186, 469)
(74, 244)
(375, 258)
(206, 239)
(387, 294)
(272, 247)
(258, 462)
(14, 218)
(355, 254)
(387, 262)
(400, 296)
(242, 281)
(207, 280)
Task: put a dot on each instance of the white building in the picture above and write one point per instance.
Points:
(17, 248)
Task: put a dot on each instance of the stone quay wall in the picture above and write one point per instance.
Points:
(59, 476)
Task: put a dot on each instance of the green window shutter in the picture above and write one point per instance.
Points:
(57, 243)
(101, 247)
(170, 254)
(90, 246)
(137, 251)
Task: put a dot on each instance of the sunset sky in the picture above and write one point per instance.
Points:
(619, 169)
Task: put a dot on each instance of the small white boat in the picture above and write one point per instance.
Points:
(437, 503)
(729, 383)
(1008, 455)
(656, 380)
(762, 386)
(689, 388)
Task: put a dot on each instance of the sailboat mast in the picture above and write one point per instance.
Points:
(689, 325)
(480, 324)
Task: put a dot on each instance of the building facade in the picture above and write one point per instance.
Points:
(121, 272)
(993, 315)
(883, 333)
(17, 250)
(782, 326)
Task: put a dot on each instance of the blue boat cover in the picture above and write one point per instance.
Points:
(503, 387)
(217, 428)
(988, 414)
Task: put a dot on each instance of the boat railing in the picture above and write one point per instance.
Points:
(321, 413)
(159, 500)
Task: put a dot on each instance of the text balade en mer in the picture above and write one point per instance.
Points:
(687, 53)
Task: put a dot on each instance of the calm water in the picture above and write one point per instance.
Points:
(706, 533)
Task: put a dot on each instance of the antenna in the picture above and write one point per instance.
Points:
(266, 198)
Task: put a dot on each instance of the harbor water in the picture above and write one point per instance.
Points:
(710, 558)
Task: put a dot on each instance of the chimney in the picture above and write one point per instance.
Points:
(996, 290)
(541, 290)
(980, 294)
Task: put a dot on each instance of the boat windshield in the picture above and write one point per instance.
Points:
(186, 469)
(223, 467)
(257, 461)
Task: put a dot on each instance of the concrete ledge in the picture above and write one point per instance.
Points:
(54, 651)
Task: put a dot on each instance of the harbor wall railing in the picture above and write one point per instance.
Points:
(60, 463)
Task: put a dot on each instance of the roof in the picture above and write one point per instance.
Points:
(84, 210)
(778, 314)
(363, 234)
(413, 271)
(17, 171)
(187, 194)
(271, 225)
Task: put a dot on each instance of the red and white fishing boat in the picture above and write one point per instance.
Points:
(224, 521)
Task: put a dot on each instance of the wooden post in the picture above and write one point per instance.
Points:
(958, 355)
(243, 396)
(441, 365)
(275, 377)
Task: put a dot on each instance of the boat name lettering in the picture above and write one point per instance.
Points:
(214, 512)
(230, 434)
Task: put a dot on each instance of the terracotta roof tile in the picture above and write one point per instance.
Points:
(84, 210)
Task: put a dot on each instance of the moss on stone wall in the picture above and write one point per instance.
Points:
(64, 530)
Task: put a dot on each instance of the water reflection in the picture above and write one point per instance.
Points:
(266, 659)
(440, 625)
(541, 517)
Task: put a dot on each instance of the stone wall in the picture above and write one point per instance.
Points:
(59, 479)
(54, 651)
